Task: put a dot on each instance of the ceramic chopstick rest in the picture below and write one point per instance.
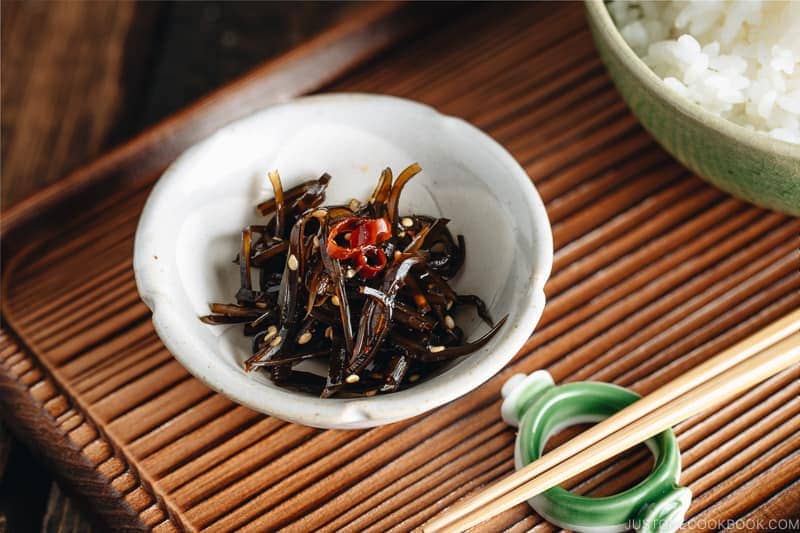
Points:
(540, 409)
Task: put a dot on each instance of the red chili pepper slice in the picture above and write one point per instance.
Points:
(363, 232)
(370, 261)
(334, 249)
(371, 231)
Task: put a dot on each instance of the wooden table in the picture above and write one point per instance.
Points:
(80, 77)
(654, 272)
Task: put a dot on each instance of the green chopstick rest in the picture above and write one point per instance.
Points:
(540, 409)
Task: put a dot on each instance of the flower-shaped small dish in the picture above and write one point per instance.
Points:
(189, 231)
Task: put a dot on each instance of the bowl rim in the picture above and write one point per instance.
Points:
(356, 412)
(598, 12)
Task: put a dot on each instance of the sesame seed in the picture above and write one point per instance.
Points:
(271, 332)
(436, 349)
(352, 378)
(276, 341)
(401, 234)
(335, 300)
(304, 338)
(407, 222)
(292, 262)
(261, 305)
(315, 241)
(413, 377)
(354, 204)
(449, 322)
(397, 254)
(329, 332)
(347, 236)
(449, 304)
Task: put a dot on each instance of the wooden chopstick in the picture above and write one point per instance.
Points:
(654, 410)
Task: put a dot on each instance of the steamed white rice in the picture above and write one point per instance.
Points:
(738, 59)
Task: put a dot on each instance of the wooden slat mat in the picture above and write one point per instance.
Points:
(654, 272)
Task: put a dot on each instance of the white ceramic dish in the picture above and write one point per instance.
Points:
(190, 227)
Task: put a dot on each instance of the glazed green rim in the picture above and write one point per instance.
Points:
(565, 405)
(597, 11)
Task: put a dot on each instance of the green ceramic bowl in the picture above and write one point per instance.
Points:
(754, 167)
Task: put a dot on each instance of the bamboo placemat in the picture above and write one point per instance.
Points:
(654, 272)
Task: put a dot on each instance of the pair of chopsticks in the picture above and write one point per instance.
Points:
(721, 378)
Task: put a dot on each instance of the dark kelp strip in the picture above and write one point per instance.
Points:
(357, 286)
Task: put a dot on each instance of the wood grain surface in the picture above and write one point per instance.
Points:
(654, 271)
(66, 80)
(69, 90)
(62, 516)
(5, 447)
(146, 60)
(80, 77)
